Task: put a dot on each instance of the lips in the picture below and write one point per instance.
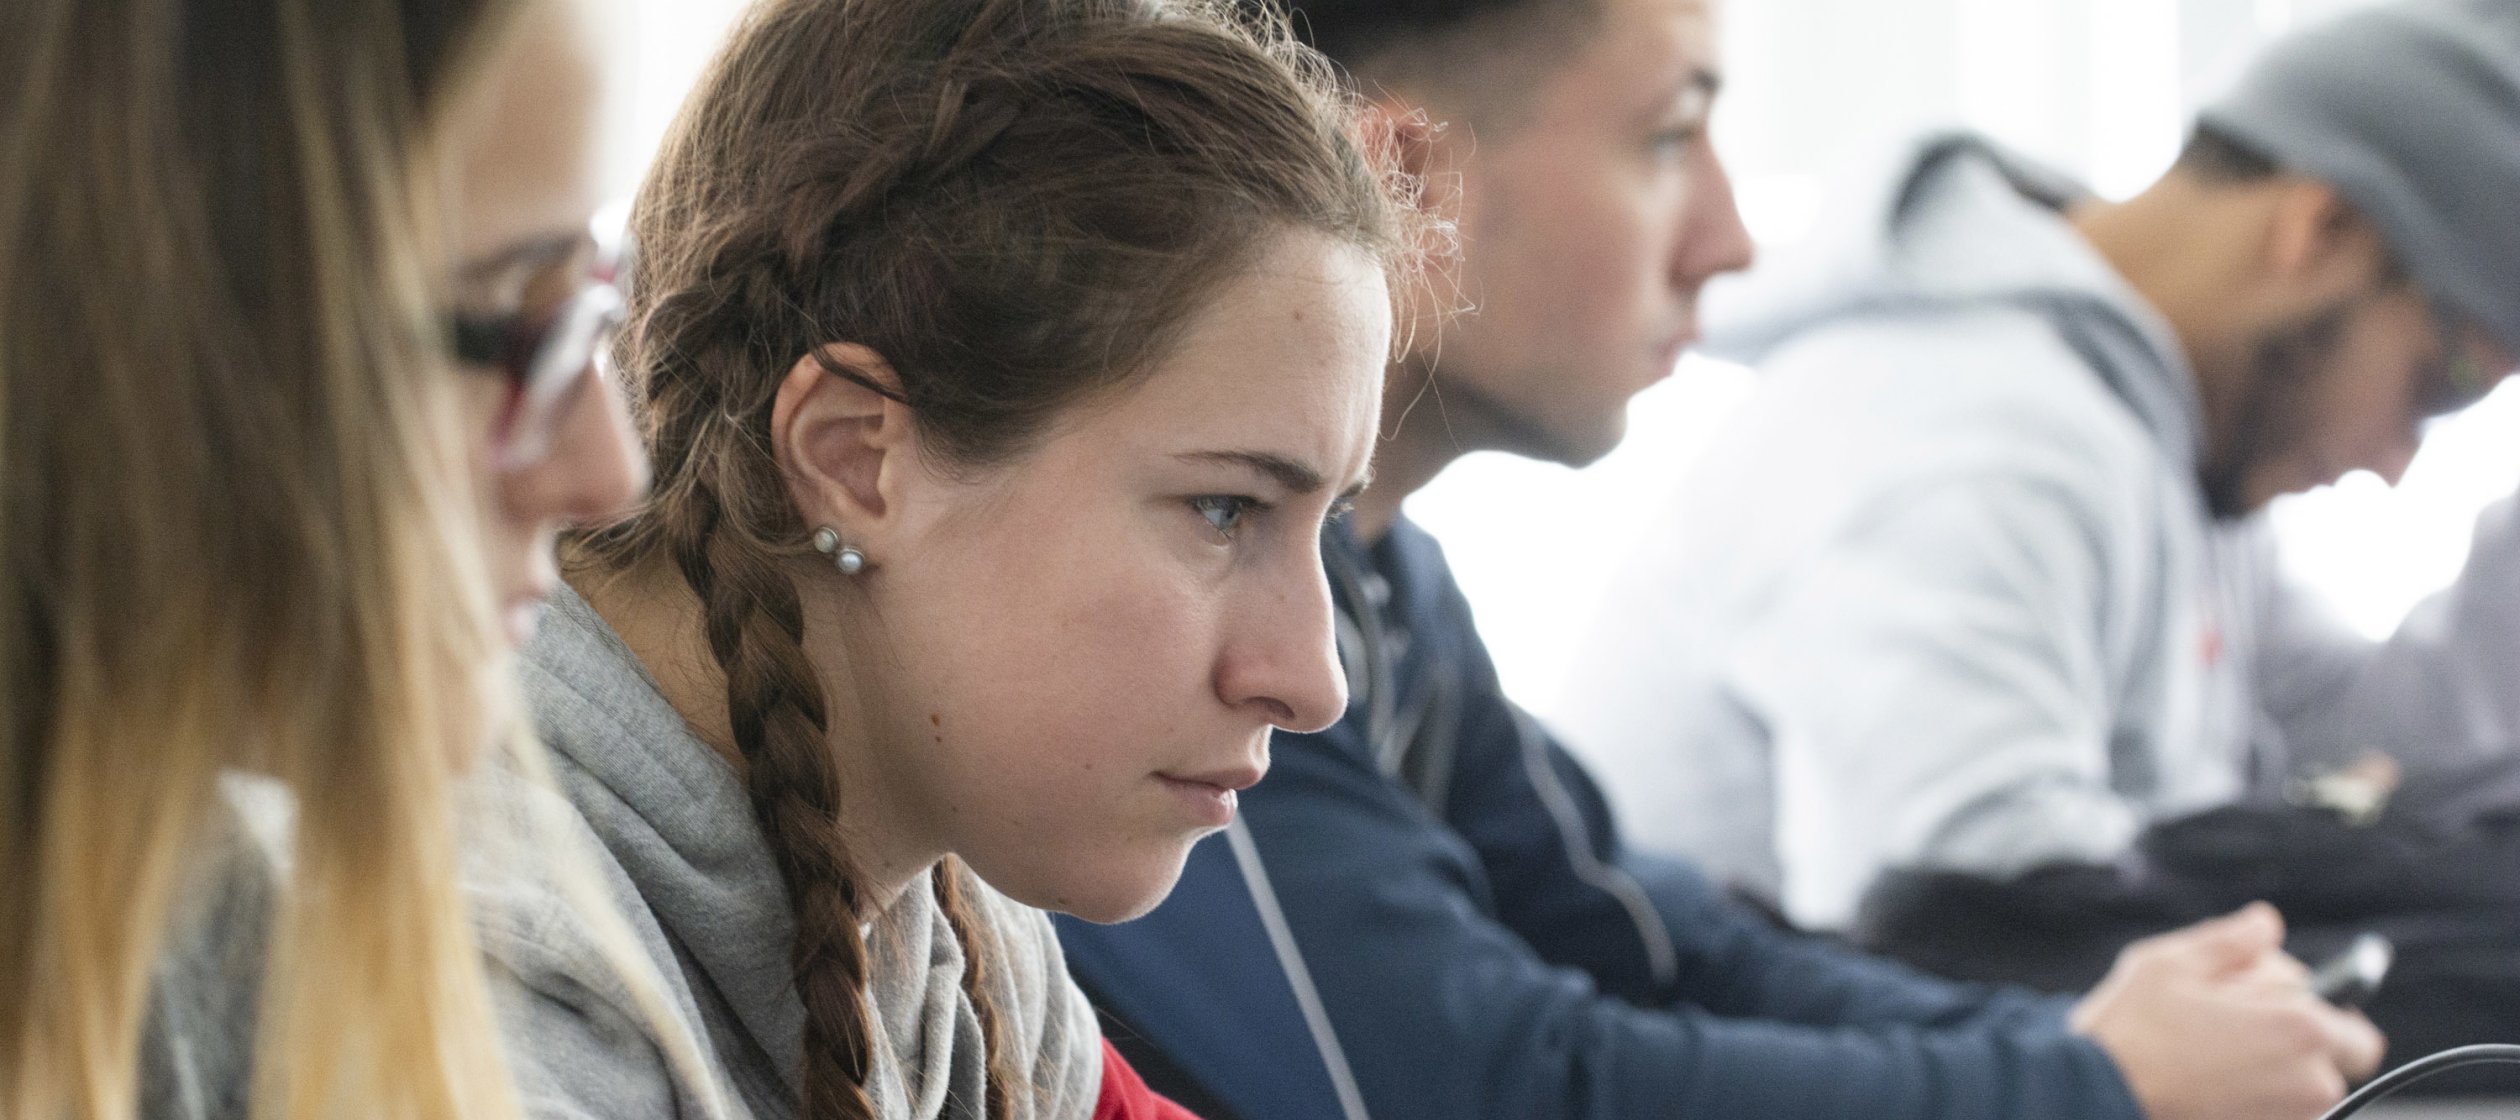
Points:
(1210, 796)
(1229, 778)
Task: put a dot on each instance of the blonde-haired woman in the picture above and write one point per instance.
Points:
(296, 312)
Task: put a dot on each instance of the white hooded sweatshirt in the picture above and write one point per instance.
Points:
(1946, 594)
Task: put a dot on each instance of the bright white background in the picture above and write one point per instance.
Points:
(2098, 87)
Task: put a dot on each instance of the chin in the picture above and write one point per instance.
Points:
(1118, 893)
(1584, 448)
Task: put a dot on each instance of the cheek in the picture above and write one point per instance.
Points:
(1077, 677)
(481, 403)
(1070, 658)
(2368, 407)
(1576, 268)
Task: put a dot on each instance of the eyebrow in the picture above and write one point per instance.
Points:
(534, 253)
(1295, 476)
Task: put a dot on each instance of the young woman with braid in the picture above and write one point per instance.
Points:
(1001, 362)
(296, 319)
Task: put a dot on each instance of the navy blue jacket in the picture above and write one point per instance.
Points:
(1426, 914)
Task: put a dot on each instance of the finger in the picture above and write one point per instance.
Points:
(2273, 974)
(2325, 1088)
(2354, 1044)
(2236, 940)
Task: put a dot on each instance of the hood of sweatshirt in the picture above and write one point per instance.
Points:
(1958, 222)
(672, 814)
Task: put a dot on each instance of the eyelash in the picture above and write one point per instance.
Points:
(1241, 506)
(1245, 507)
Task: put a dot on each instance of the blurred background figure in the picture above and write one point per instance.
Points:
(1977, 584)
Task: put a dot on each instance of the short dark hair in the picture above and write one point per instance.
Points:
(1354, 31)
(1463, 48)
(2216, 156)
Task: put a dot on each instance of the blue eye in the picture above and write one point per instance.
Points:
(1224, 512)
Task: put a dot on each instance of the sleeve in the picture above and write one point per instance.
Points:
(1935, 689)
(576, 1056)
(1124, 1097)
(1446, 1011)
(197, 1045)
(2436, 693)
(1646, 930)
(589, 1034)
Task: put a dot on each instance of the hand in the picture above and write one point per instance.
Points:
(2215, 1022)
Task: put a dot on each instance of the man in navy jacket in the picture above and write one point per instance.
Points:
(1425, 912)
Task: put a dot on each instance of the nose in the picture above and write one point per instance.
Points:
(1282, 660)
(1713, 239)
(596, 467)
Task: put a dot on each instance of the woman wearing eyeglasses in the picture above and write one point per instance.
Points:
(296, 313)
(1002, 361)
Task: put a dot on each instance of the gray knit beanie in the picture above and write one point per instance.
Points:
(2411, 110)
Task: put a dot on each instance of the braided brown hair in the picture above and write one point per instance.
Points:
(1018, 203)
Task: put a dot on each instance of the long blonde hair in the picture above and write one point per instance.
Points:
(234, 532)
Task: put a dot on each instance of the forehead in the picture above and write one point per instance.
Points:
(1285, 358)
(520, 143)
(1642, 54)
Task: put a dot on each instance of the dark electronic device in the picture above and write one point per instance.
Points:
(2351, 978)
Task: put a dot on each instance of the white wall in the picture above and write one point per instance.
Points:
(2099, 87)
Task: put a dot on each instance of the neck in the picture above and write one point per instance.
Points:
(1421, 438)
(2169, 244)
(657, 617)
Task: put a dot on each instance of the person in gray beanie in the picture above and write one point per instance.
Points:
(1976, 585)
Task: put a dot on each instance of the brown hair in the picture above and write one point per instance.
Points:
(1018, 203)
(235, 531)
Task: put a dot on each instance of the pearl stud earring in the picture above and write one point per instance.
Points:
(847, 558)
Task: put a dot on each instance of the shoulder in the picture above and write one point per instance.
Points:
(1964, 363)
(1874, 407)
(197, 1055)
(1420, 577)
(599, 1018)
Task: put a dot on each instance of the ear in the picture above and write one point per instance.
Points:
(845, 444)
(1405, 132)
(2318, 246)
(1408, 135)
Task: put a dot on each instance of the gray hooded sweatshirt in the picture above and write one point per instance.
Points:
(677, 838)
(672, 838)
(1945, 593)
